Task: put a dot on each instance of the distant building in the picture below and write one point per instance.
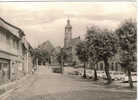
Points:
(113, 64)
(27, 56)
(70, 44)
(47, 45)
(12, 52)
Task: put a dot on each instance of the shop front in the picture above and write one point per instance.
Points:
(7, 67)
(4, 71)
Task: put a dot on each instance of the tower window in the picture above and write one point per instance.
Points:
(116, 66)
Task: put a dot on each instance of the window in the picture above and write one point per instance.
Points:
(112, 66)
(17, 43)
(116, 66)
(4, 38)
(7, 41)
(0, 66)
(97, 66)
(10, 42)
(14, 43)
(0, 35)
(101, 66)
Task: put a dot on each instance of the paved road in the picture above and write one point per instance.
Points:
(51, 86)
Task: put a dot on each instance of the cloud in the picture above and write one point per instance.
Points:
(43, 21)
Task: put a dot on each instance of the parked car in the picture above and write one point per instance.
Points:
(89, 73)
(80, 72)
(74, 73)
(100, 74)
(117, 75)
(56, 70)
(114, 75)
(133, 76)
(79, 66)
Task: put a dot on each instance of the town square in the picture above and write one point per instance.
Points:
(68, 51)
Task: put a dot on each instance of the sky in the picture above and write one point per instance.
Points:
(73, 0)
(42, 21)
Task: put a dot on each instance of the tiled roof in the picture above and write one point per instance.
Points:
(11, 28)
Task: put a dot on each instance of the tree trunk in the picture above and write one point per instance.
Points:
(109, 79)
(49, 60)
(95, 71)
(95, 75)
(84, 74)
(61, 64)
(130, 78)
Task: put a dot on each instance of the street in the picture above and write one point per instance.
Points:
(53, 86)
(68, 50)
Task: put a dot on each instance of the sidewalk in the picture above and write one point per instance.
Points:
(114, 86)
(12, 86)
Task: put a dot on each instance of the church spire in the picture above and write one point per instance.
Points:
(68, 34)
(68, 21)
(68, 24)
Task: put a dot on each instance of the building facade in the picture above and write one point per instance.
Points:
(70, 44)
(113, 66)
(28, 57)
(12, 62)
(70, 49)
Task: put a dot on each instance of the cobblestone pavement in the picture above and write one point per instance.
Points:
(52, 86)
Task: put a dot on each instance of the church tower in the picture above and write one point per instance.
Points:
(68, 34)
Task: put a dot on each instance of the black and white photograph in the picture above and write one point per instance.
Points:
(68, 50)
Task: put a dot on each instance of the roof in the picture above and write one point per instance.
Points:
(75, 41)
(47, 45)
(11, 28)
(68, 24)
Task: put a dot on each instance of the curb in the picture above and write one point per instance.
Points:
(14, 85)
(6, 94)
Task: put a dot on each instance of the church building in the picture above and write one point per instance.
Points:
(70, 49)
(70, 45)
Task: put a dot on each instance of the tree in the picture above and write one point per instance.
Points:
(103, 45)
(82, 53)
(91, 39)
(61, 56)
(127, 40)
(41, 55)
(45, 55)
